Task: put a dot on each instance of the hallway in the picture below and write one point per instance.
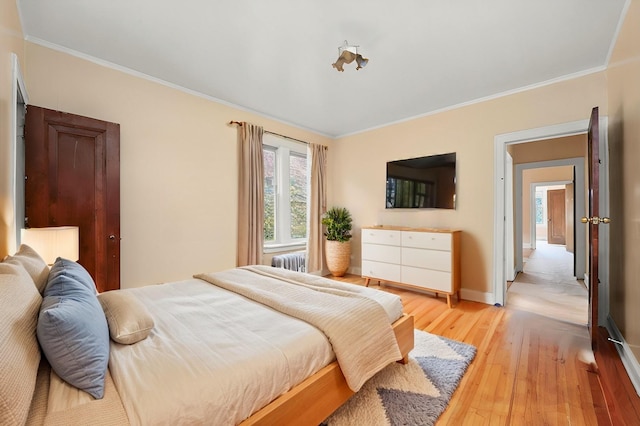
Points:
(547, 286)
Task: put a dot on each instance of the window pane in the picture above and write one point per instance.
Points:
(298, 195)
(539, 209)
(269, 160)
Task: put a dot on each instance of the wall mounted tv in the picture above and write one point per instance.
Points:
(422, 183)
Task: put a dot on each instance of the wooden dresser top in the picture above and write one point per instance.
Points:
(407, 228)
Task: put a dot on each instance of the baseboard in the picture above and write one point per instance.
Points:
(477, 296)
(628, 359)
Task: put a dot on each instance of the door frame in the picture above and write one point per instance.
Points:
(532, 213)
(18, 92)
(501, 142)
(580, 232)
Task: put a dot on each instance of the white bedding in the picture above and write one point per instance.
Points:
(215, 357)
(355, 325)
(211, 358)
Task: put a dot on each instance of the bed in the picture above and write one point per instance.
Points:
(213, 349)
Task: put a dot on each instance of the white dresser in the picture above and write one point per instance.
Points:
(423, 258)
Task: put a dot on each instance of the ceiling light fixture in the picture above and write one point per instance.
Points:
(348, 53)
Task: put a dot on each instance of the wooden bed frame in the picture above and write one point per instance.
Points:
(313, 400)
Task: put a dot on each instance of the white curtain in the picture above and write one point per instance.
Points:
(317, 207)
(250, 195)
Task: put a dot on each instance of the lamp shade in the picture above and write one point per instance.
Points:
(362, 62)
(53, 242)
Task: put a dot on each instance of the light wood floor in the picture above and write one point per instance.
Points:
(529, 369)
(547, 286)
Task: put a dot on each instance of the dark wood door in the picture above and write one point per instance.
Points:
(72, 166)
(557, 219)
(593, 221)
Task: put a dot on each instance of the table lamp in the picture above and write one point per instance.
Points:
(53, 242)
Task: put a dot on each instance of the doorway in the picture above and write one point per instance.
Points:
(502, 211)
(547, 283)
(565, 173)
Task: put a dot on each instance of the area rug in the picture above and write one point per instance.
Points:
(412, 394)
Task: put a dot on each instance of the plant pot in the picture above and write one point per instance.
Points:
(338, 256)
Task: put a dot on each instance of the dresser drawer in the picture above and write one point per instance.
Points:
(381, 253)
(380, 270)
(427, 278)
(427, 259)
(381, 236)
(427, 240)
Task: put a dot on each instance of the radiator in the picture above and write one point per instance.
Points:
(292, 261)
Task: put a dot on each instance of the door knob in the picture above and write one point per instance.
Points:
(112, 237)
(595, 220)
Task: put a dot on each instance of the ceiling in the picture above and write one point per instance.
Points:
(274, 57)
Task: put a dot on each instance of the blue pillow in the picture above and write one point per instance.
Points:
(72, 270)
(72, 329)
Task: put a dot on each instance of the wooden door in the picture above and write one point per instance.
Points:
(72, 166)
(556, 214)
(593, 221)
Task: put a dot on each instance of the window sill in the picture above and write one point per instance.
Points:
(279, 248)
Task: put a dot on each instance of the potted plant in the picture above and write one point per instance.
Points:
(337, 221)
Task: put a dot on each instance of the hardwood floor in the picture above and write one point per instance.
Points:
(529, 369)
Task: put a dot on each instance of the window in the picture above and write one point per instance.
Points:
(269, 158)
(540, 206)
(285, 192)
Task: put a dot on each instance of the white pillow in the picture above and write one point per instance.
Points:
(128, 319)
(19, 351)
(31, 261)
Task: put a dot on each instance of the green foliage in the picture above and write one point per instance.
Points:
(269, 215)
(338, 224)
(298, 196)
(298, 201)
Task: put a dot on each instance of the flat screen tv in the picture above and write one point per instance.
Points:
(422, 183)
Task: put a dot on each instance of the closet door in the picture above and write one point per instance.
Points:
(72, 166)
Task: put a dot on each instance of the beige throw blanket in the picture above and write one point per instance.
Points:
(357, 327)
